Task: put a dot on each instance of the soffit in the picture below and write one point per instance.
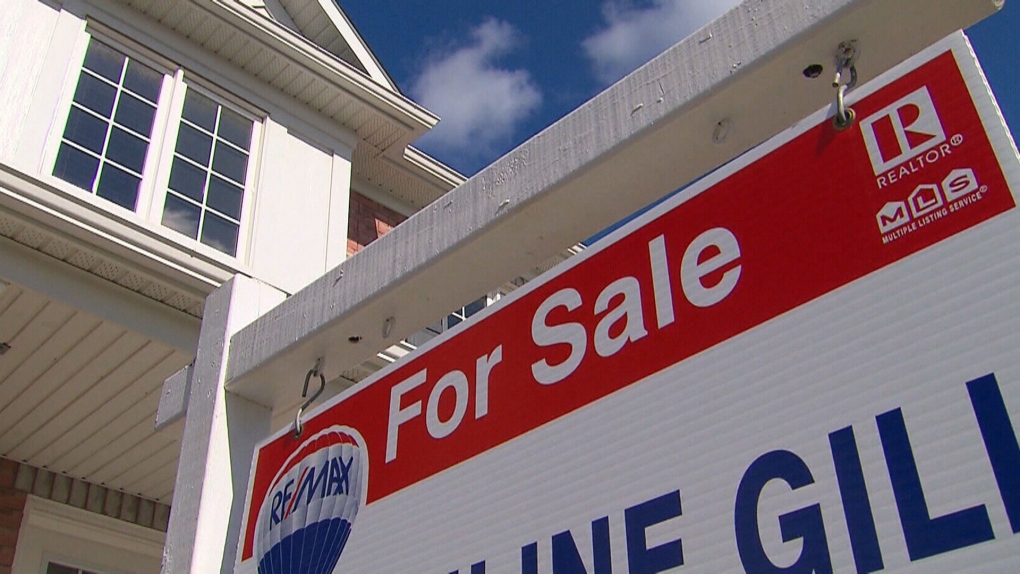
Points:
(79, 255)
(79, 396)
(401, 178)
(314, 25)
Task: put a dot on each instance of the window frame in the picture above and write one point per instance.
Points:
(460, 315)
(152, 189)
(184, 82)
(159, 122)
(54, 532)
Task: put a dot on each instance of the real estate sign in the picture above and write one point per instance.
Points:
(807, 362)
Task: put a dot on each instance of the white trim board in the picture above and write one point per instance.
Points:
(52, 531)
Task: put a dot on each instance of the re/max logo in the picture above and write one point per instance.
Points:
(331, 479)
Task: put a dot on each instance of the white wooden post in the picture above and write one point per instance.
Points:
(220, 432)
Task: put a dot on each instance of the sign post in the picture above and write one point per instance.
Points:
(803, 363)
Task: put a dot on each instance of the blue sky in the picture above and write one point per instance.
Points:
(499, 72)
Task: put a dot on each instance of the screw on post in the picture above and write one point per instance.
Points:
(846, 59)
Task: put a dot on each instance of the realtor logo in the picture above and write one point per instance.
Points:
(892, 216)
(902, 131)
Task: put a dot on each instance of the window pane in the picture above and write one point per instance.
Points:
(76, 167)
(230, 162)
(235, 128)
(200, 110)
(86, 130)
(127, 150)
(225, 197)
(143, 81)
(474, 307)
(135, 114)
(452, 320)
(194, 144)
(220, 233)
(95, 95)
(181, 216)
(104, 61)
(187, 179)
(118, 186)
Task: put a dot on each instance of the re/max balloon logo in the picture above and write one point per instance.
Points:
(307, 515)
(331, 479)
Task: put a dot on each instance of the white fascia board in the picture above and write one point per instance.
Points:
(442, 175)
(419, 165)
(402, 111)
(647, 135)
(98, 297)
(357, 44)
(123, 240)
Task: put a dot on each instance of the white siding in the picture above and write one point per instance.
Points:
(26, 30)
(294, 205)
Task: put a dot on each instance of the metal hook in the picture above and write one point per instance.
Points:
(316, 370)
(844, 116)
(846, 56)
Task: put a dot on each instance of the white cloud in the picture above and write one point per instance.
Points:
(633, 36)
(479, 102)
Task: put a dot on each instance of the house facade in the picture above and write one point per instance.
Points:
(149, 151)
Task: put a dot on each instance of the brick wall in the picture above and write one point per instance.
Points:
(12, 508)
(368, 221)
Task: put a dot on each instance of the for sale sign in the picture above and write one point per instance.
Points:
(805, 363)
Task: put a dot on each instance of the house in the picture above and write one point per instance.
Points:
(151, 150)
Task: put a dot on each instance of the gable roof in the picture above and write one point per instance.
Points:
(326, 25)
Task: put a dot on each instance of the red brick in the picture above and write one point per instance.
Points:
(6, 570)
(8, 537)
(11, 499)
(367, 221)
(6, 556)
(10, 520)
(8, 470)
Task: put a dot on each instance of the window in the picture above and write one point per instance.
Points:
(109, 126)
(450, 321)
(115, 125)
(54, 568)
(208, 173)
(466, 311)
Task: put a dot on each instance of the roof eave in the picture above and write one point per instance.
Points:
(415, 119)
